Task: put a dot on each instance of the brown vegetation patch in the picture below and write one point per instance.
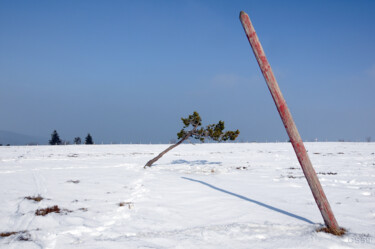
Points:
(53, 209)
(34, 198)
(7, 234)
(340, 232)
(45, 211)
(22, 235)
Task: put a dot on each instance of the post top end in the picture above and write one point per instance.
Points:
(242, 13)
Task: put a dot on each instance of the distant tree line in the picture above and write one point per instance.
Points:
(55, 139)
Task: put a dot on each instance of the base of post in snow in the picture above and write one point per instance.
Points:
(340, 232)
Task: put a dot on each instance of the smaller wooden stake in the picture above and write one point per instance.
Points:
(295, 138)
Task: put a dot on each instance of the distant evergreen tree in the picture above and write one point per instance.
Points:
(88, 139)
(55, 139)
(77, 140)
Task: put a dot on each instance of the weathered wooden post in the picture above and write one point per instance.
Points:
(295, 138)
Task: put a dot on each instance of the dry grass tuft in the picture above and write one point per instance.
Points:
(22, 235)
(53, 209)
(7, 234)
(45, 211)
(34, 198)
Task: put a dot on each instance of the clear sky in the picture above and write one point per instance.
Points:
(127, 71)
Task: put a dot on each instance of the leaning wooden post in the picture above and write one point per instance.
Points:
(295, 138)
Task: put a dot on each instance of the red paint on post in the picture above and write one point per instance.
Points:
(295, 138)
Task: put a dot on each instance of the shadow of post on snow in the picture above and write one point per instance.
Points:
(252, 201)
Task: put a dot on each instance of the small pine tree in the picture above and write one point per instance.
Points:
(77, 140)
(213, 131)
(88, 139)
(55, 138)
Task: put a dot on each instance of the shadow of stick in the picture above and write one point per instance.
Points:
(251, 200)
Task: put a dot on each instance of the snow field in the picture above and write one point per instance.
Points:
(197, 196)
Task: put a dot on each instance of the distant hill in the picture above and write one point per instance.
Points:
(12, 138)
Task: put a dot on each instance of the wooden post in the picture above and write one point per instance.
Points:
(295, 138)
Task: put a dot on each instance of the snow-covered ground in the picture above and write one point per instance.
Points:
(196, 196)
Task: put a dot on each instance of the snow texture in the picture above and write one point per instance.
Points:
(228, 195)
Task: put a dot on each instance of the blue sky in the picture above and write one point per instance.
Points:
(127, 71)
